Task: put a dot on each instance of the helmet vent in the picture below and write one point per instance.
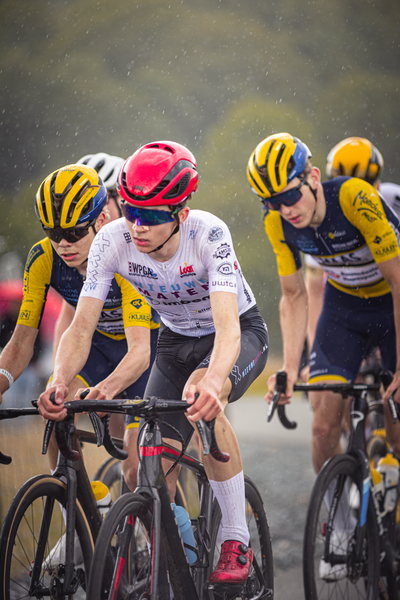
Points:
(179, 188)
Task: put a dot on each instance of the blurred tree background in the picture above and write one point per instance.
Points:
(81, 76)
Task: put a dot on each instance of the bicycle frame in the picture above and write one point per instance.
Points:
(73, 474)
(152, 483)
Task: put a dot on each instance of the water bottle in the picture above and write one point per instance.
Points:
(379, 487)
(388, 467)
(185, 527)
(102, 496)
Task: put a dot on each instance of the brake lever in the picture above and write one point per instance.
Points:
(280, 388)
(210, 445)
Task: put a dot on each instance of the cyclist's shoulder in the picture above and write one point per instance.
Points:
(40, 251)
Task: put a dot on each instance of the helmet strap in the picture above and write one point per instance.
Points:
(176, 229)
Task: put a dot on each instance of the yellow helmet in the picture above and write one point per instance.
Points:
(70, 196)
(275, 162)
(355, 157)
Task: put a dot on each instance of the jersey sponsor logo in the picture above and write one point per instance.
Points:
(203, 310)
(334, 234)
(137, 303)
(223, 251)
(377, 240)
(192, 234)
(387, 250)
(215, 234)
(231, 284)
(186, 270)
(155, 302)
(89, 286)
(225, 268)
(24, 315)
(141, 270)
(114, 314)
(33, 255)
(365, 204)
(136, 317)
(127, 237)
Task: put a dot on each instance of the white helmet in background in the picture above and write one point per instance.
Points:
(107, 166)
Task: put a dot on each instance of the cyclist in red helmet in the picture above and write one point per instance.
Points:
(213, 341)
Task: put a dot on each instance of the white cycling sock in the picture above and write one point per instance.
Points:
(231, 499)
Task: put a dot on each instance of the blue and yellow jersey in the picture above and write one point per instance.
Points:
(124, 306)
(359, 232)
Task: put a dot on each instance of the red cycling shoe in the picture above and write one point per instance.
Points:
(234, 563)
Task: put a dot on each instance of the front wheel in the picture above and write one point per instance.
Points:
(33, 528)
(123, 558)
(329, 566)
(260, 583)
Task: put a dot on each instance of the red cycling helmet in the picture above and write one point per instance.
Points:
(158, 173)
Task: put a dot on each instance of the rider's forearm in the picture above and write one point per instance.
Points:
(293, 319)
(72, 353)
(17, 354)
(131, 367)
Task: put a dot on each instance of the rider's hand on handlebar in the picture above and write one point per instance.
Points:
(56, 411)
(93, 393)
(207, 405)
(393, 389)
(285, 398)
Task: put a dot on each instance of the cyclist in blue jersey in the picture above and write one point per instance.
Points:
(352, 157)
(354, 237)
(212, 339)
(71, 207)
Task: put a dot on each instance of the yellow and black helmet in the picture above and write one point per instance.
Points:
(70, 196)
(355, 157)
(275, 162)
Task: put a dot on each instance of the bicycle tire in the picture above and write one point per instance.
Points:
(19, 539)
(262, 572)
(130, 516)
(363, 584)
(376, 448)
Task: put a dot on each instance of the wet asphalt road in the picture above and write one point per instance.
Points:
(279, 462)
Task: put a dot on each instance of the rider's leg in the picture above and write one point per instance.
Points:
(226, 479)
(130, 464)
(328, 409)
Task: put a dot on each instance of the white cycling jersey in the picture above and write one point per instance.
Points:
(178, 289)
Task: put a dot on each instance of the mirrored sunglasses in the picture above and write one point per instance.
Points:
(288, 198)
(70, 234)
(145, 216)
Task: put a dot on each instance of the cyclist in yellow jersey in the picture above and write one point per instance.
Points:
(354, 236)
(108, 167)
(71, 206)
(352, 157)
